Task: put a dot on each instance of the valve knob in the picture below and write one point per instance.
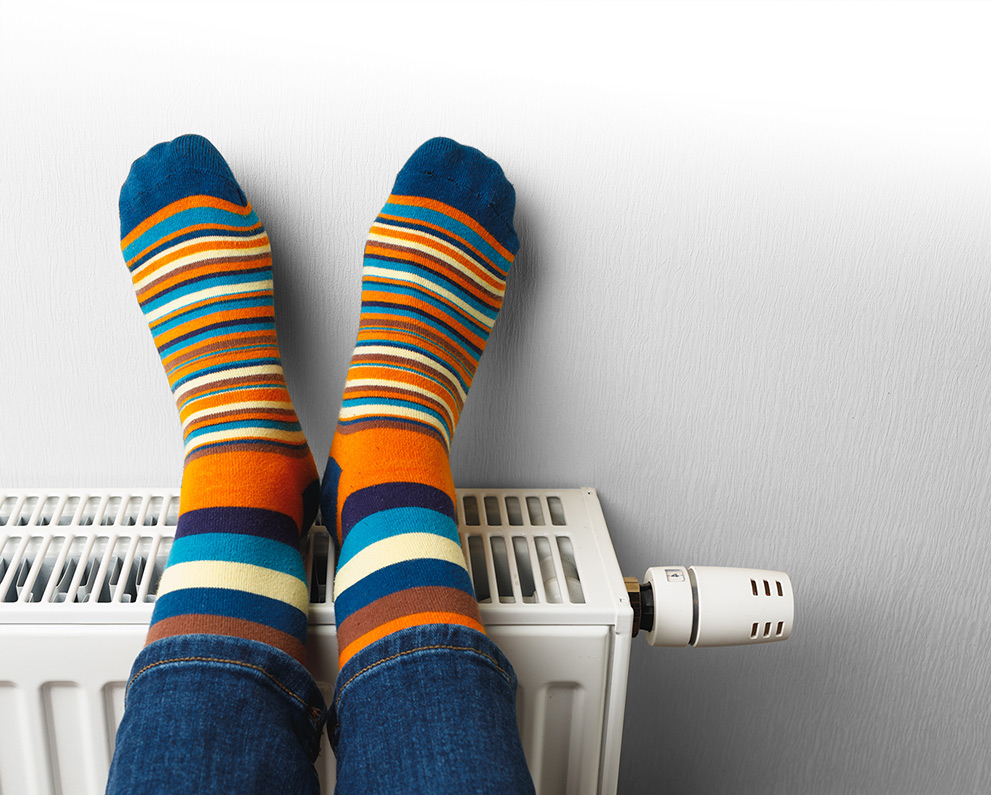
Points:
(713, 606)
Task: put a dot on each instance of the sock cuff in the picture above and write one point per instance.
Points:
(187, 166)
(463, 177)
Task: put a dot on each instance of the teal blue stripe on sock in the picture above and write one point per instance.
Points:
(238, 548)
(358, 366)
(409, 404)
(414, 291)
(269, 381)
(278, 425)
(422, 320)
(227, 279)
(257, 361)
(160, 327)
(394, 522)
(415, 269)
(455, 226)
(415, 349)
(218, 330)
(187, 218)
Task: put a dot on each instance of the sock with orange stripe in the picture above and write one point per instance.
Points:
(433, 279)
(201, 265)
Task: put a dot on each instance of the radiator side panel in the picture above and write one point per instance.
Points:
(57, 735)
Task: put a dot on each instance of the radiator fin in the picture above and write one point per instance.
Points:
(560, 708)
(13, 742)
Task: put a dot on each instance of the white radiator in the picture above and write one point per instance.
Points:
(78, 573)
(79, 570)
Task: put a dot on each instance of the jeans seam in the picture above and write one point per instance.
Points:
(490, 658)
(274, 680)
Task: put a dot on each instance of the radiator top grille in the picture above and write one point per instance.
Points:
(103, 552)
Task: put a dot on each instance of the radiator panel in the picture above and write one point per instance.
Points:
(78, 573)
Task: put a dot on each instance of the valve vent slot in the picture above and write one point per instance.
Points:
(767, 587)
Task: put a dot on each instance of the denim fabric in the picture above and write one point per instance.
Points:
(213, 714)
(430, 709)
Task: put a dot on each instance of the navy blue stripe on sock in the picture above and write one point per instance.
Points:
(232, 604)
(248, 521)
(416, 573)
(239, 325)
(189, 236)
(446, 236)
(447, 329)
(373, 499)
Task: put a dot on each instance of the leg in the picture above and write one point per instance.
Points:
(219, 700)
(425, 701)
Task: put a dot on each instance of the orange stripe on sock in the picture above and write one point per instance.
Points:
(413, 458)
(211, 266)
(218, 228)
(243, 315)
(393, 375)
(202, 624)
(430, 266)
(224, 399)
(415, 620)
(477, 274)
(454, 359)
(456, 317)
(179, 206)
(452, 212)
(203, 249)
(218, 299)
(450, 234)
(246, 480)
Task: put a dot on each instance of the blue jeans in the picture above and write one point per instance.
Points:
(428, 709)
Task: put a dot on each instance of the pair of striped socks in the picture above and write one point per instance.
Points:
(434, 272)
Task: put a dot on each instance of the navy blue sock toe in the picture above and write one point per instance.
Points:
(464, 178)
(188, 166)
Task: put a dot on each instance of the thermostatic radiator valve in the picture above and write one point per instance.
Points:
(711, 606)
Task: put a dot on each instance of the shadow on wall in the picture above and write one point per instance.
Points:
(497, 418)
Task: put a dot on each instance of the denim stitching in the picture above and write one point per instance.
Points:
(490, 658)
(258, 668)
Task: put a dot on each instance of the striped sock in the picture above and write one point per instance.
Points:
(202, 269)
(433, 279)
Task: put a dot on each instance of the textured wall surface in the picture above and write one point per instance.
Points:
(751, 308)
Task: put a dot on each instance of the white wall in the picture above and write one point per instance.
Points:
(751, 307)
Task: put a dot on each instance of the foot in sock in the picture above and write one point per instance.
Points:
(201, 266)
(433, 280)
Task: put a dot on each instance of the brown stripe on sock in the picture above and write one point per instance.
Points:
(398, 425)
(266, 338)
(434, 598)
(202, 624)
(411, 364)
(390, 391)
(377, 322)
(198, 265)
(444, 268)
(249, 413)
(300, 450)
(261, 381)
